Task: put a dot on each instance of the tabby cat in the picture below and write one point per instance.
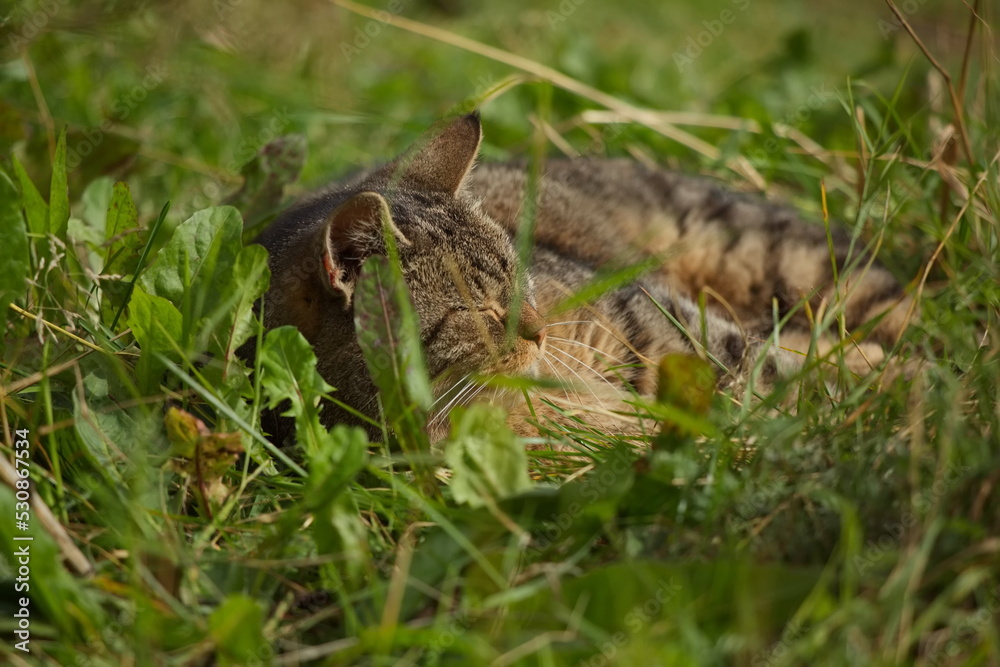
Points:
(455, 228)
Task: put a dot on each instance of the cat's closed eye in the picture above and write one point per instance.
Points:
(492, 313)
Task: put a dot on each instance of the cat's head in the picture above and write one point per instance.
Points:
(458, 263)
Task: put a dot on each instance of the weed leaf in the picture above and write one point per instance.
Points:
(389, 336)
(123, 246)
(15, 262)
(59, 192)
(212, 279)
(35, 208)
(486, 458)
(156, 325)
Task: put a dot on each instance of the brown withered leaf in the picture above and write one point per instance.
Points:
(195, 449)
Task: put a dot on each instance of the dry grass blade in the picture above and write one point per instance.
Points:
(651, 119)
(50, 523)
(56, 327)
(944, 241)
(956, 103)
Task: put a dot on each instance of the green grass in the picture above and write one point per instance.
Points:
(853, 528)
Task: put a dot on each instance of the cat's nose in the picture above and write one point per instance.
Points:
(532, 325)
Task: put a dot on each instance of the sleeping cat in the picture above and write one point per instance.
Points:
(454, 226)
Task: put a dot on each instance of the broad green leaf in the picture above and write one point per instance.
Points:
(123, 248)
(212, 279)
(236, 627)
(334, 458)
(156, 325)
(389, 336)
(94, 204)
(86, 229)
(334, 467)
(35, 208)
(112, 433)
(486, 458)
(248, 282)
(288, 366)
(288, 371)
(15, 261)
(202, 249)
(59, 192)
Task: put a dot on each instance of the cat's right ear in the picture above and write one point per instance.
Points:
(443, 157)
(352, 233)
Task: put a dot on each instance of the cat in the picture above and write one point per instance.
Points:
(455, 226)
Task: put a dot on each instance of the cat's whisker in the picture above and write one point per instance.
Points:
(480, 387)
(589, 347)
(463, 398)
(571, 370)
(471, 397)
(460, 396)
(617, 335)
(589, 368)
(558, 324)
(452, 388)
(443, 413)
(558, 376)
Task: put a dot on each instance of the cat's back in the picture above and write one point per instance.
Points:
(619, 210)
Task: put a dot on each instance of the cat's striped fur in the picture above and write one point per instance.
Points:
(455, 226)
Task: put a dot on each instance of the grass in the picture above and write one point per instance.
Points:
(855, 528)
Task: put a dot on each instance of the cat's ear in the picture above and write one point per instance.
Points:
(352, 233)
(443, 157)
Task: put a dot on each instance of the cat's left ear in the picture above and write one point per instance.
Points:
(353, 232)
(443, 157)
